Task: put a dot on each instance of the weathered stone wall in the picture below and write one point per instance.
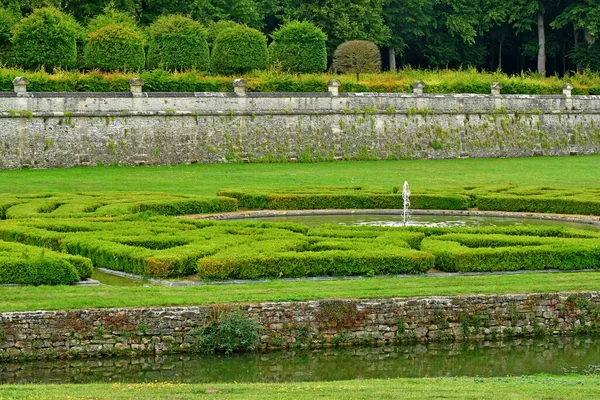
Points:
(70, 129)
(52, 334)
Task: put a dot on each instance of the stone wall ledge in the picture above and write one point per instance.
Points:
(332, 322)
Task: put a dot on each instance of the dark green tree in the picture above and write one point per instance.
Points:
(299, 47)
(8, 20)
(177, 43)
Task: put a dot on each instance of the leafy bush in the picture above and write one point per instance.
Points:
(7, 21)
(46, 38)
(238, 50)
(357, 56)
(115, 47)
(217, 27)
(229, 332)
(299, 47)
(27, 265)
(111, 16)
(177, 43)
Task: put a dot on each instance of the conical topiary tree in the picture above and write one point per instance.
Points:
(238, 50)
(357, 56)
(299, 47)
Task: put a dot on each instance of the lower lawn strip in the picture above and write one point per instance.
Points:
(526, 387)
(71, 298)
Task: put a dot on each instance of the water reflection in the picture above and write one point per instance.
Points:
(554, 355)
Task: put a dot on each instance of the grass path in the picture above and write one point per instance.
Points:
(68, 297)
(532, 387)
(575, 172)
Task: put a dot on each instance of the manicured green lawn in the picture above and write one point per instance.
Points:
(529, 387)
(69, 297)
(566, 172)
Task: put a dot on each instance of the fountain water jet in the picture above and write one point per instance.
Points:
(406, 201)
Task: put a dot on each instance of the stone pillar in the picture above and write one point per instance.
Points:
(496, 88)
(418, 87)
(135, 86)
(567, 88)
(239, 87)
(20, 84)
(333, 87)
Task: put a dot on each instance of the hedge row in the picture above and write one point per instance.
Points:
(506, 198)
(163, 247)
(29, 265)
(109, 204)
(342, 198)
(438, 82)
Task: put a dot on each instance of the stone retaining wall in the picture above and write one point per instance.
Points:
(96, 332)
(44, 130)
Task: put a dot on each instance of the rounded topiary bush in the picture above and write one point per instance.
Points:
(299, 47)
(115, 47)
(238, 50)
(37, 271)
(215, 28)
(47, 37)
(177, 42)
(357, 56)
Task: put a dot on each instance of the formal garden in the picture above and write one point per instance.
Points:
(274, 266)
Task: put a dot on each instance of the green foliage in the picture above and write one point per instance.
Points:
(357, 56)
(28, 265)
(215, 28)
(298, 47)
(177, 43)
(228, 332)
(111, 16)
(46, 38)
(115, 47)
(238, 50)
(7, 21)
(352, 197)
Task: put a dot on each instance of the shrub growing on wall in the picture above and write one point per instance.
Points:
(177, 42)
(238, 50)
(299, 47)
(115, 47)
(47, 37)
(357, 56)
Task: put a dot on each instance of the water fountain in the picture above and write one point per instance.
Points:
(406, 203)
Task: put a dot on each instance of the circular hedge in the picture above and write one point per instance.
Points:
(47, 37)
(238, 50)
(299, 47)
(177, 42)
(115, 47)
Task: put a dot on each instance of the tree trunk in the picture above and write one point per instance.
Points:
(541, 64)
(500, 54)
(576, 42)
(392, 56)
(588, 38)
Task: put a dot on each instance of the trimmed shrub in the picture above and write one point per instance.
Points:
(299, 47)
(7, 21)
(217, 27)
(46, 38)
(238, 50)
(111, 16)
(115, 47)
(177, 43)
(357, 56)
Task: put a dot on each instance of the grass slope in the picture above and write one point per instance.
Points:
(423, 175)
(531, 387)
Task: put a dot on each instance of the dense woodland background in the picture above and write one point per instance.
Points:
(548, 36)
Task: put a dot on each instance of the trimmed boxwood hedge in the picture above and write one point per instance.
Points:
(115, 48)
(299, 47)
(239, 49)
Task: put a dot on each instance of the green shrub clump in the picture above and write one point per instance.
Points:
(46, 38)
(177, 43)
(229, 332)
(238, 50)
(115, 47)
(357, 56)
(7, 22)
(299, 47)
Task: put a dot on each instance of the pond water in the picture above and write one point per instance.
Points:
(449, 221)
(554, 355)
